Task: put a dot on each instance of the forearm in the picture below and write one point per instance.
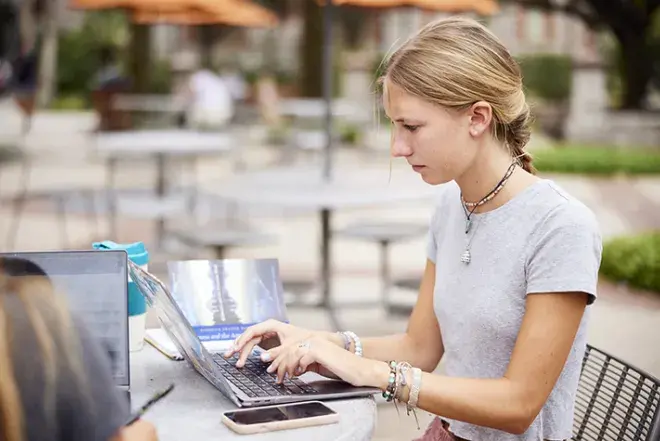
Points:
(399, 347)
(494, 403)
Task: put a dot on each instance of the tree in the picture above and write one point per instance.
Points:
(631, 22)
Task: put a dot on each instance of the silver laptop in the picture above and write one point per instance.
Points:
(248, 386)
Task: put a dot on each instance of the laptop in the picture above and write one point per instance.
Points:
(95, 286)
(249, 386)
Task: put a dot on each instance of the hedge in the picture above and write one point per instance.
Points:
(597, 160)
(634, 260)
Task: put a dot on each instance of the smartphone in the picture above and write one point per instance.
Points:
(280, 417)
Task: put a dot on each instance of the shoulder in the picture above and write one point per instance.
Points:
(560, 210)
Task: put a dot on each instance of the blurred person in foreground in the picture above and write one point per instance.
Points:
(508, 304)
(55, 380)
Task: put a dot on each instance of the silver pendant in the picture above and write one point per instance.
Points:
(466, 257)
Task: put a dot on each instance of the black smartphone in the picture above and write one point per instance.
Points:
(281, 417)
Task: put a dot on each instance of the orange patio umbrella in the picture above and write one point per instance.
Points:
(482, 7)
(188, 12)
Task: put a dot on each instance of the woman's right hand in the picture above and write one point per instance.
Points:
(140, 430)
(261, 333)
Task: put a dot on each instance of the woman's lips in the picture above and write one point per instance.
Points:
(418, 168)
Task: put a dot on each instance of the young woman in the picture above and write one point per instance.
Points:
(55, 381)
(512, 259)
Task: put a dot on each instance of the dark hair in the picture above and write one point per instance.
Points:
(17, 267)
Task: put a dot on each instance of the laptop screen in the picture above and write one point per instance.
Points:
(95, 286)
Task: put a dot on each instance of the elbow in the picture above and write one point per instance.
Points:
(518, 426)
(521, 418)
(427, 356)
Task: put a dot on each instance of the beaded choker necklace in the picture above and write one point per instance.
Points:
(466, 257)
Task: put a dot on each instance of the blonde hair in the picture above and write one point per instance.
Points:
(52, 327)
(456, 62)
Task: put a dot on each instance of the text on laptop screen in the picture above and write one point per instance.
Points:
(95, 286)
(222, 298)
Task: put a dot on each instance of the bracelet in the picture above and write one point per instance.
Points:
(402, 369)
(390, 391)
(356, 341)
(347, 341)
(414, 388)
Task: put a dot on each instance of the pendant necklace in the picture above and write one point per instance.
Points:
(470, 207)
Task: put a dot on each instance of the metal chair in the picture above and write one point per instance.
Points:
(615, 401)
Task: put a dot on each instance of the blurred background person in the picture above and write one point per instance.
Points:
(208, 101)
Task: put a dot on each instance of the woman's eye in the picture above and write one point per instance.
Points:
(410, 128)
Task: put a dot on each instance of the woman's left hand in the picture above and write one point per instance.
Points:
(318, 355)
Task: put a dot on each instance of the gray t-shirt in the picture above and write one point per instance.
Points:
(542, 240)
(90, 408)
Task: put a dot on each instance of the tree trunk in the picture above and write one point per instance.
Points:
(48, 56)
(311, 51)
(140, 59)
(205, 40)
(637, 69)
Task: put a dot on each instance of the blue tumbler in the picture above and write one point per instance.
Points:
(137, 306)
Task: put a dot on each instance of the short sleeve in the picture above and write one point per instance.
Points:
(442, 196)
(99, 409)
(566, 254)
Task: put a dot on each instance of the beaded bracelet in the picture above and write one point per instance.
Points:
(356, 341)
(347, 340)
(390, 391)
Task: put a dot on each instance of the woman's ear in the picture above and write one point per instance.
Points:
(480, 114)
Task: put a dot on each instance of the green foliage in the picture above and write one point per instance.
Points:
(78, 50)
(634, 260)
(70, 102)
(350, 134)
(160, 78)
(79, 61)
(598, 160)
(547, 76)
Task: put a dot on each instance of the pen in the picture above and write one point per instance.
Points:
(156, 398)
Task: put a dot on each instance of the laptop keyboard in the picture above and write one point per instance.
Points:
(254, 381)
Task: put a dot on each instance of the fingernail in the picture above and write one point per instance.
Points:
(265, 356)
(239, 364)
(227, 354)
(270, 369)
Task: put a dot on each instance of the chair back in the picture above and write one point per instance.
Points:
(615, 401)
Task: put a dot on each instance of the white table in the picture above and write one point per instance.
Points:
(160, 145)
(305, 187)
(193, 409)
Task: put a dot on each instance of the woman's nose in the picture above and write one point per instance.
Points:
(400, 148)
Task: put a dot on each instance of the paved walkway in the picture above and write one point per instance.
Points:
(624, 322)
